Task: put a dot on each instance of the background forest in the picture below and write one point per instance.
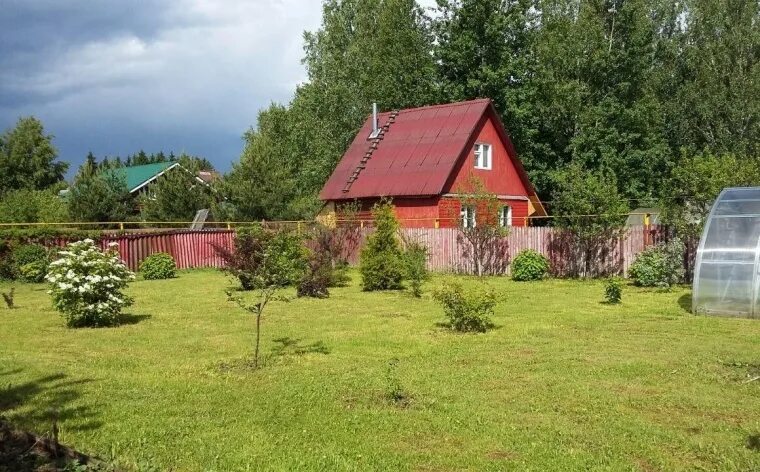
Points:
(643, 102)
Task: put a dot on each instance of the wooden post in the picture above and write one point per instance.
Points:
(647, 230)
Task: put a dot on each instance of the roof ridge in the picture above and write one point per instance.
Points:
(374, 142)
(445, 105)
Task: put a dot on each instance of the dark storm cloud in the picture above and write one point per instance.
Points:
(118, 76)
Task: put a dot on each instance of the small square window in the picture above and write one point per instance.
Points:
(505, 216)
(482, 156)
(467, 214)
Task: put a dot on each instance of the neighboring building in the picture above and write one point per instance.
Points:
(139, 178)
(425, 159)
(643, 216)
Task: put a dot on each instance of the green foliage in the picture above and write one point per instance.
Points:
(530, 265)
(100, 197)
(9, 298)
(86, 285)
(28, 253)
(263, 258)
(696, 183)
(33, 206)
(613, 290)
(415, 260)
(176, 195)
(30, 262)
(588, 205)
(661, 265)
(158, 266)
(381, 260)
(467, 311)
(394, 390)
(486, 247)
(33, 272)
(317, 278)
(28, 158)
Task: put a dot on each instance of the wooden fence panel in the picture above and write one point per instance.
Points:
(194, 249)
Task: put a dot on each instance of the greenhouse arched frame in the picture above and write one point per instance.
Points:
(727, 266)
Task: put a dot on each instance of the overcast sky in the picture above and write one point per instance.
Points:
(114, 76)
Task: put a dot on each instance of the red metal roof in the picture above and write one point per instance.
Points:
(416, 155)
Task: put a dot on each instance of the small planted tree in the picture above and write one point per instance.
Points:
(317, 278)
(415, 261)
(613, 290)
(273, 260)
(467, 311)
(480, 227)
(381, 260)
(336, 243)
(86, 285)
(8, 298)
(589, 207)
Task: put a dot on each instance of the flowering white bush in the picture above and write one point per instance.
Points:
(86, 284)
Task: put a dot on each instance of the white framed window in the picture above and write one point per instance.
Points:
(505, 216)
(483, 156)
(468, 216)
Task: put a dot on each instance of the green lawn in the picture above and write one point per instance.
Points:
(564, 382)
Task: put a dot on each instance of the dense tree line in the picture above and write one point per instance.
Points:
(640, 102)
(628, 92)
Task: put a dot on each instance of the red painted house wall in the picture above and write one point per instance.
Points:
(502, 179)
(411, 212)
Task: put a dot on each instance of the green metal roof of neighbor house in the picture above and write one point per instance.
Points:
(137, 176)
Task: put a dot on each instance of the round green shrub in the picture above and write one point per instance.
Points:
(34, 272)
(529, 265)
(659, 266)
(467, 311)
(27, 253)
(30, 262)
(157, 266)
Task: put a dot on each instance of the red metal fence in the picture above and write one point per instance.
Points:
(192, 249)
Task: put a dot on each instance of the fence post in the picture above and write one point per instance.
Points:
(647, 231)
(121, 225)
(437, 223)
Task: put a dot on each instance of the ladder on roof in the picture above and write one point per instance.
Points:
(374, 142)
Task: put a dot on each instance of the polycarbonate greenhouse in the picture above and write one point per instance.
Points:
(726, 273)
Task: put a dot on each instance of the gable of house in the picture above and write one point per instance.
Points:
(426, 152)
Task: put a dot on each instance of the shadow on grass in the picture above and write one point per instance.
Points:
(449, 327)
(684, 301)
(131, 319)
(284, 348)
(753, 442)
(44, 400)
(289, 346)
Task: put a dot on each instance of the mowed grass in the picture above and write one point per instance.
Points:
(565, 382)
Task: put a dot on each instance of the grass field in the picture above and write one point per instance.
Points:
(565, 382)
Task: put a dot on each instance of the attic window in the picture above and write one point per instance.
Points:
(483, 156)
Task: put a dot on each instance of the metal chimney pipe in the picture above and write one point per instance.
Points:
(374, 118)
